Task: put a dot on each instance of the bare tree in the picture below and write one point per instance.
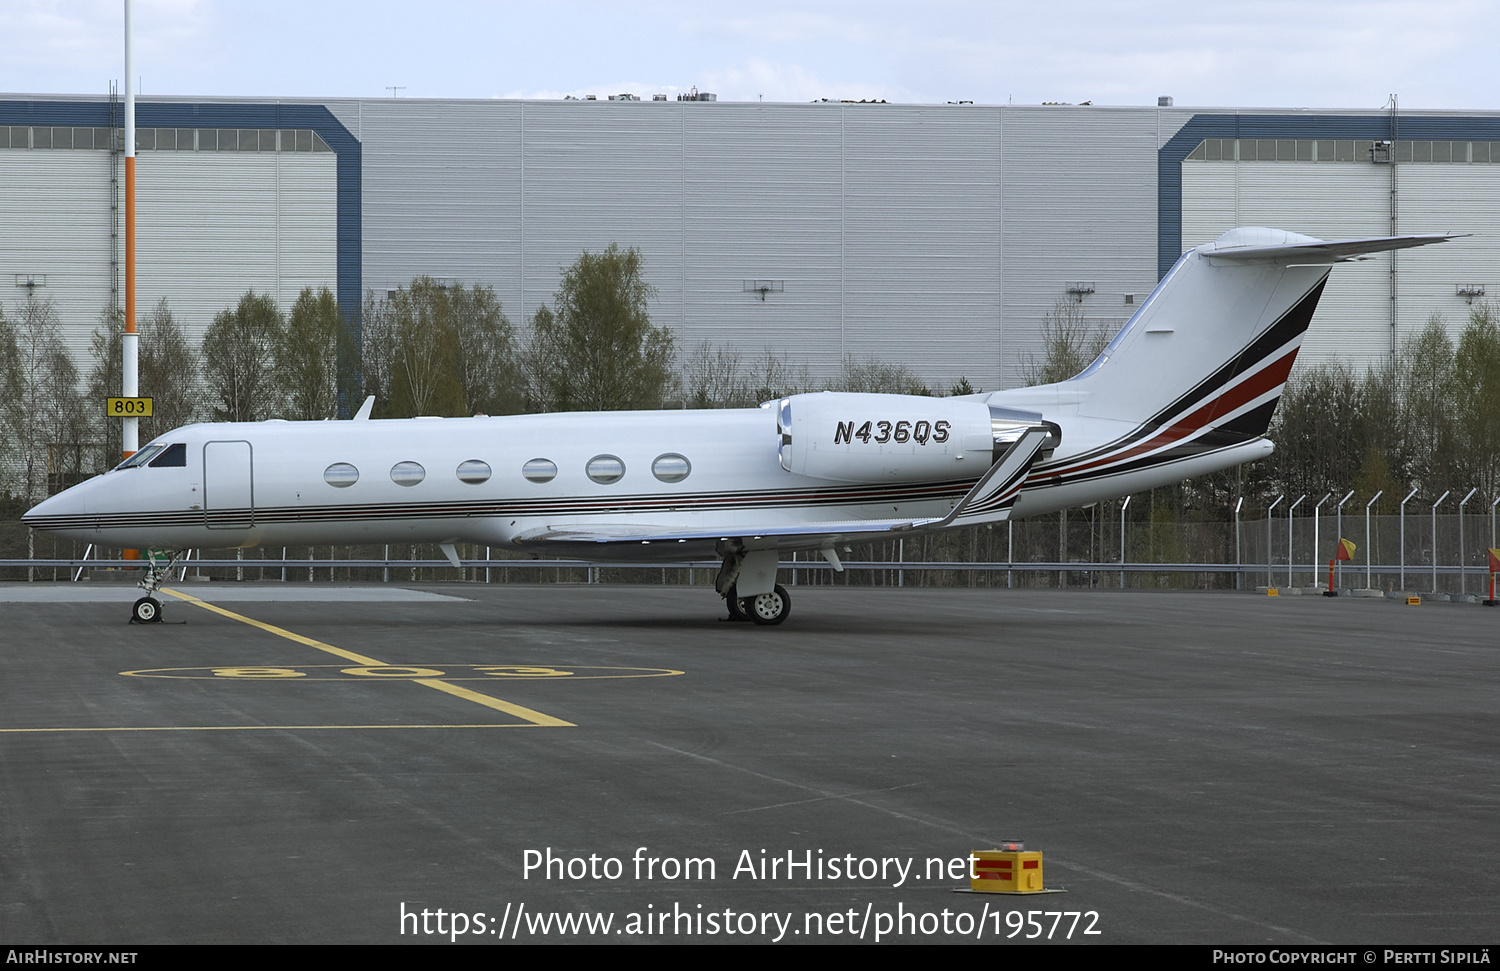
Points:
(104, 382)
(50, 425)
(377, 335)
(773, 376)
(10, 388)
(1070, 343)
(712, 377)
(877, 377)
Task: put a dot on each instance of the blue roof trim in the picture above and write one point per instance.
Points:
(349, 168)
(1170, 156)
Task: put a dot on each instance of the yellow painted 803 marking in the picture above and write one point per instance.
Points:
(257, 673)
(394, 671)
(515, 672)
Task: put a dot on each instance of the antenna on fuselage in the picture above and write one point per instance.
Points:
(364, 410)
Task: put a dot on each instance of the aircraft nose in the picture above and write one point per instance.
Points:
(58, 512)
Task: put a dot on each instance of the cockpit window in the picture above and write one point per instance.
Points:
(174, 457)
(142, 457)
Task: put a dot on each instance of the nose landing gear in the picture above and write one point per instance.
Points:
(159, 563)
(147, 610)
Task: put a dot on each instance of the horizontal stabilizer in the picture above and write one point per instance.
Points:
(1307, 250)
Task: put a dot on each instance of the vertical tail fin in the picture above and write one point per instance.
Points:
(1212, 346)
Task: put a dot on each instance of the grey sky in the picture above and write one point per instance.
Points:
(1252, 53)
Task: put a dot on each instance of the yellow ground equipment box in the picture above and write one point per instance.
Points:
(1006, 871)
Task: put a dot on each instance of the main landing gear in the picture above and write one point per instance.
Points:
(147, 610)
(766, 609)
(769, 603)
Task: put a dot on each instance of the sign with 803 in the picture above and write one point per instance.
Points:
(127, 407)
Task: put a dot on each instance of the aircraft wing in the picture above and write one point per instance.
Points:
(1325, 251)
(990, 500)
(629, 541)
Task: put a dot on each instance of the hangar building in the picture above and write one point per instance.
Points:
(933, 235)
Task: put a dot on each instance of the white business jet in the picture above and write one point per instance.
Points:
(1187, 387)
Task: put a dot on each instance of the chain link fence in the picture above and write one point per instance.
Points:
(1100, 547)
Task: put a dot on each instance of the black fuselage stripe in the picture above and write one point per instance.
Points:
(1291, 324)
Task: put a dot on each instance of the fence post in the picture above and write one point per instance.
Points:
(1318, 534)
(1434, 537)
(1340, 523)
(1403, 537)
(1377, 495)
(1463, 553)
(1237, 561)
(1122, 541)
(1289, 556)
(1270, 581)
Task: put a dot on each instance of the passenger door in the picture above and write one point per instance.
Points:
(228, 496)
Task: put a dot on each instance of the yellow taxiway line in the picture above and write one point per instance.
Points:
(467, 694)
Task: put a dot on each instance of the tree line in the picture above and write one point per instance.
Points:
(1428, 420)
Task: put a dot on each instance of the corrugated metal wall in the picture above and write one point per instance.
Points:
(881, 225)
(1079, 207)
(210, 225)
(1344, 200)
(937, 236)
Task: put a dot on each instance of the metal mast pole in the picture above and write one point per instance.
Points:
(130, 383)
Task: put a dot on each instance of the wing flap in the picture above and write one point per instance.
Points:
(625, 539)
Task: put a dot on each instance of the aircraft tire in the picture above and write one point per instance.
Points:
(147, 610)
(769, 609)
(737, 607)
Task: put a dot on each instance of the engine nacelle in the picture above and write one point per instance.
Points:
(884, 437)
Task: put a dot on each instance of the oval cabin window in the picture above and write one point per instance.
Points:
(474, 472)
(341, 475)
(407, 473)
(671, 467)
(605, 469)
(539, 470)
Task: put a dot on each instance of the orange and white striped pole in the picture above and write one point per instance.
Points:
(130, 375)
(129, 371)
